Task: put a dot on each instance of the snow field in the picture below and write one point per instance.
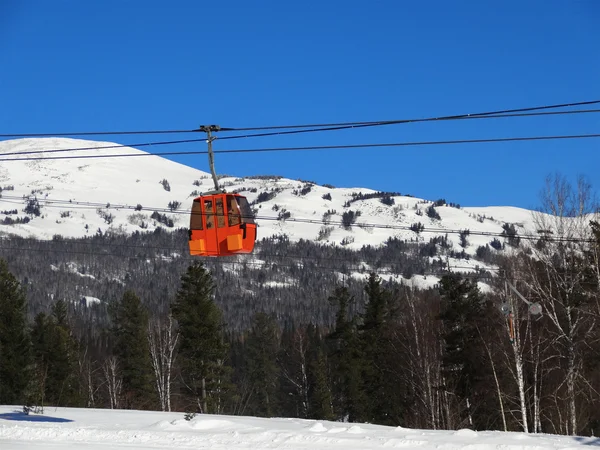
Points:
(70, 428)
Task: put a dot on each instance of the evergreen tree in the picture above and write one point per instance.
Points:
(346, 356)
(129, 330)
(202, 347)
(384, 402)
(55, 380)
(321, 404)
(463, 312)
(261, 364)
(15, 345)
(40, 338)
(64, 388)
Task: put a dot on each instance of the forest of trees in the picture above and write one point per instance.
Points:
(444, 358)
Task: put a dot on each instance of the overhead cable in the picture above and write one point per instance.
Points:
(397, 122)
(321, 126)
(283, 149)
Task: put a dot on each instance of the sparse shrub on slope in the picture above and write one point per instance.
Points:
(360, 196)
(17, 220)
(265, 196)
(162, 218)
(324, 233)
(327, 215)
(138, 219)
(173, 205)
(303, 190)
(33, 207)
(108, 217)
(496, 244)
(484, 253)
(417, 227)
(463, 238)
(432, 213)
(264, 177)
(284, 214)
(510, 232)
(349, 217)
(387, 200)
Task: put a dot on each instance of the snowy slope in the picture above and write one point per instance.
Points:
(70, 428)
(76, 195)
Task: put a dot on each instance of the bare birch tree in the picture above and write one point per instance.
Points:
(556, 277)
(422, 349)
(296, 373)
(162, 340)
(114, 381)
(87, 376)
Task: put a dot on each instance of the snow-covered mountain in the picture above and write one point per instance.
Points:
(76, 197)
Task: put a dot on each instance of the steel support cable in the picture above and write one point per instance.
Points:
(297, 149)
(498, 113)
(397, 122)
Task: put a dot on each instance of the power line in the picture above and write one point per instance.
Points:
(357, 125)
(104, 147)
(452, 117)
(107, 205)
(283, 149)
(94, 133)
(333, 126)
(341, 127)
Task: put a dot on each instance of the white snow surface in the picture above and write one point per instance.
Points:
(72, 428)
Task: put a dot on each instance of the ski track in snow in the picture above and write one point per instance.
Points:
(70, 428)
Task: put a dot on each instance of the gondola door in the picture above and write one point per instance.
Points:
(212, 244)
(221, 226)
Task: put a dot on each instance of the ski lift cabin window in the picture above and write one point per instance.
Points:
(221, 225)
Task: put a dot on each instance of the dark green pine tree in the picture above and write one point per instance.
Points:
(263, 344)
(203, 350)
(383, 396)
(15, 358)
(463, 314)
(41, 344)
(347, 362)
(321, 401)
(55, 380)
(64, 388)
(130, 345)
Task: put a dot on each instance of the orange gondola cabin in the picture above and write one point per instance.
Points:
(221, 224)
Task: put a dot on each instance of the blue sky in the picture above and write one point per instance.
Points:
(132, 64)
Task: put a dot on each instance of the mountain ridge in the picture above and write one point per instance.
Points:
(75, 198)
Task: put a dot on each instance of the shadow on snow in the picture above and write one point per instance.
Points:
(20, 416)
